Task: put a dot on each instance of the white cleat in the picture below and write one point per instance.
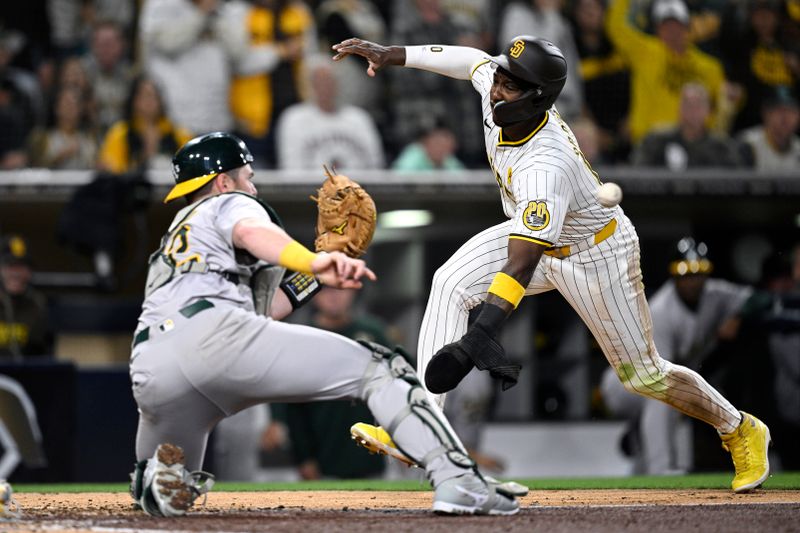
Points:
(469, 494)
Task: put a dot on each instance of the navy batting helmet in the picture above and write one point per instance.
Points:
(540, 68)
(690, 258)
(203, 158)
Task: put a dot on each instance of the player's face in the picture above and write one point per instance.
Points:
(690, 287)
(243, 180)
(504, 89)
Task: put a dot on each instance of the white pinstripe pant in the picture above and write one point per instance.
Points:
(604, 286)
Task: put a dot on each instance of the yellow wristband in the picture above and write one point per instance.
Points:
(297, 257)
(507, 288)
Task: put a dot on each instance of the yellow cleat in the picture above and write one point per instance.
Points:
(748, 446)
(376, 440)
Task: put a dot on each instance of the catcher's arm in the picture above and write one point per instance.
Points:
(270, 243)
(281, 307)
(452, 61)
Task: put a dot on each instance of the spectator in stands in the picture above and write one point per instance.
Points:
(542, 18)
(72, 74)
(182, 52)
(69, 143)
(774, 146)
(661, 65)
(267, 40)
(145, 137)
(759, 56)
(320, 131)
(337, 21)
(606, 80)
(109, 72)
(65, 26)
(417, 95)
(320, 432)
(476, 21)
(434, 150)
(121, 14)
(691, 313)
(690, 144)
(22, 95)
(705, 24)
(12, 142)
(24, 321)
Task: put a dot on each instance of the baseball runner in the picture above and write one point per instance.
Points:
(204, 349)
(557, 236)
(691, 312)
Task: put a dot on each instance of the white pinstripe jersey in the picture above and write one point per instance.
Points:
(546, 185)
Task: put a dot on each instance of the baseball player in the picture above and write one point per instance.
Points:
(557, 236)
(691, 312)
(204, 348)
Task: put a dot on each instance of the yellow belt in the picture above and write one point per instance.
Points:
(565, 251)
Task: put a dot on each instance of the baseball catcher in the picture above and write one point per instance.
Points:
(346, 216)
(207, 346)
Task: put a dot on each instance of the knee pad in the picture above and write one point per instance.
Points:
(417, 404)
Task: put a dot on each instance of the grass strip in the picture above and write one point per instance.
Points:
(778, 481)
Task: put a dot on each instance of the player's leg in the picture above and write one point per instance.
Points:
(287, 362)
(604, 285)
(170, 408)
(174, 423)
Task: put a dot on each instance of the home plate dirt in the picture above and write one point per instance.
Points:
(356, 511)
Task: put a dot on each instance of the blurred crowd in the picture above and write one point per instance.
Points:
(118, 86)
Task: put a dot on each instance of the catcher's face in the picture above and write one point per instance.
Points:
(504, 89)
(242, 179)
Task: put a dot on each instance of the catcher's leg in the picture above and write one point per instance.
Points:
(173, 416)
(389, 382)
(170, 408)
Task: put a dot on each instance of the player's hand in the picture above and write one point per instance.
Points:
(338, 270)
(376, 55)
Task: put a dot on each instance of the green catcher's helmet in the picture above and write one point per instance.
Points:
(201, 159)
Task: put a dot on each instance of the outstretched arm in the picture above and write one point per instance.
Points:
(453, 61)
(270, 243)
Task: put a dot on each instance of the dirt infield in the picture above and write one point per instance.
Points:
(356, 511)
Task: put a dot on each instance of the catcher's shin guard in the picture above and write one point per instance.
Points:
(163, 487)
(417, 405)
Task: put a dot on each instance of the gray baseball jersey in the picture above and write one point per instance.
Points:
(548, 190)
(685, 335)
(201, 353)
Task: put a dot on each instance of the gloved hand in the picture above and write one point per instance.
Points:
(346, 216)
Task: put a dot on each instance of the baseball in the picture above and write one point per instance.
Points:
(609, 194)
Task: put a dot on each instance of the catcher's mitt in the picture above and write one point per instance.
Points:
(346, 216)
